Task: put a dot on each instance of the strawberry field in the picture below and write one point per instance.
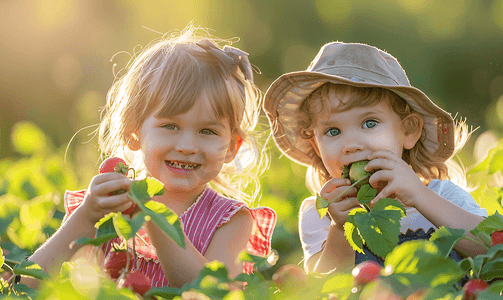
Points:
(31, 209)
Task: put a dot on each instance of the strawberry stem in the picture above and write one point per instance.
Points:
(356, 182)
(477, 242)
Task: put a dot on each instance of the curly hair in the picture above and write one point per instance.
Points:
(426, 165)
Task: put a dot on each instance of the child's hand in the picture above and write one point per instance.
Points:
(403, 184)
(340, 208)
(98, 202)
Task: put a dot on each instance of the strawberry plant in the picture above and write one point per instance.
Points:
(118, 261)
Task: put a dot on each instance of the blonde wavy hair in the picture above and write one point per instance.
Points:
(426, 166)
(166, 79)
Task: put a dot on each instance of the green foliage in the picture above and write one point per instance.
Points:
(30, 208)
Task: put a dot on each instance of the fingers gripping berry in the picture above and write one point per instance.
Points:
(356, 173)
(116, 164)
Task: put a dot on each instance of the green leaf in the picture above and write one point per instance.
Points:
(496, 162)
(29, 268)
(390, 204)
(446, 238)
(378, 229)
(366, 194)
(166, 219)
(321, 205)
(144, 190)
(105, 232)
(128, 228)
(492, 269)
(259, 263)
(351, 230)
(485, 164)
(485, 228)
(340, 284)
(420, 264)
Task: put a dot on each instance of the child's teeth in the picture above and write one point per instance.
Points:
(180, 166)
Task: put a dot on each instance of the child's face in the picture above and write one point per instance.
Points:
(188, 150)
(348, 136)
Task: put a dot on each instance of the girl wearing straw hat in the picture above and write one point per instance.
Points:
(353, 103)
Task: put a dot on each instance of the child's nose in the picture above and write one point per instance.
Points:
(352, 145)
(186, 144)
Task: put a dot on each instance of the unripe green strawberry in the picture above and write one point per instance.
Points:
(497, 237)
(356, 172)
(116, 164)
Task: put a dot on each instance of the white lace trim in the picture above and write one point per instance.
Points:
(195, 202)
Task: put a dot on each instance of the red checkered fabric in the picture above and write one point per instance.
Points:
(200, 221)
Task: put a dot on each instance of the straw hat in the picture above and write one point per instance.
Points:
(357, 65)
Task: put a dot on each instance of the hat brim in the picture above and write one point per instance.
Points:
(286, 93)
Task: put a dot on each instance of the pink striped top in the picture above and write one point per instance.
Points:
(200, 222)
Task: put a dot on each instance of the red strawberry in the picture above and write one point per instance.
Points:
(138, 282)
(497, 237)
(366, 272)
(115, 262)
(473, 287)
(290, 277)
(116, 164)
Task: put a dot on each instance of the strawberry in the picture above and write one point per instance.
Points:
(290, 277)
(115, 262)
(137, 282)
(497, 237)
(473, 287)
(116, 164)
(366, 272)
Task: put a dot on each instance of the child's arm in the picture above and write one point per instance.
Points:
(405, 186)
(51, 255)
(181, 266)
(337, 253)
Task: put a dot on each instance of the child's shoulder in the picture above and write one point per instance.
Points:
(309, 202)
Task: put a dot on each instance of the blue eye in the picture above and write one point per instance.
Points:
(369, 124)
(333, 132)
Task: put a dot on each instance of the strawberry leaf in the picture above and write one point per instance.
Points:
(259, 263)
(2, 258)
(321, 205)
(338, 284)
(445, 238)
(31, 269)
(488, 161)
(166, 219)
(378, 229)
(105, 232)
(351, 230)
(366, 194)
(420, 264)
(144, 190)
(485, 228)
(128, 228)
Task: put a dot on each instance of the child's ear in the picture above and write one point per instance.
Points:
(134, 142)
(413, 128)
(234, 146)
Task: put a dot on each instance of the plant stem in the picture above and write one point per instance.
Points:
(356, 182)
(12, 262)
(477, 242)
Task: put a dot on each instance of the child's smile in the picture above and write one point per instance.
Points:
(188, 150)
(352, 135)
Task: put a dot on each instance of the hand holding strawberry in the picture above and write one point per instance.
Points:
(118, 165)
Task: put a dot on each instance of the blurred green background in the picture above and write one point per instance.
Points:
(58, 60)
